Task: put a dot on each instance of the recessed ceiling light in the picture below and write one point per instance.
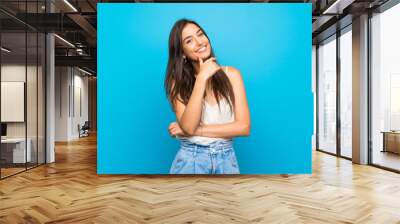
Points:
(65, 41)
(70, 5)
(5, 50)
(337, 7)
(84, 71)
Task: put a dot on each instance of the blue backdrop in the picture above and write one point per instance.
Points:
(269, 43)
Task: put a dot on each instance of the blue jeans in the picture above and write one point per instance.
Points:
(216, 158)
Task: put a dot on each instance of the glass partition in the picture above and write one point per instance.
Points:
(22, 77)
(14, 153)
(327, 95)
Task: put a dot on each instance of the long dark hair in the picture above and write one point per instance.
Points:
(180, 79)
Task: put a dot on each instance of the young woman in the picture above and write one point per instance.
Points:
(209, 101)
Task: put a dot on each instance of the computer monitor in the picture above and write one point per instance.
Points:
(3, 129)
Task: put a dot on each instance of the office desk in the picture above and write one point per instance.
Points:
(391, 141)
(13, 150)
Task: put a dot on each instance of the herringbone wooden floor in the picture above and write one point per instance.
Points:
(70, 191)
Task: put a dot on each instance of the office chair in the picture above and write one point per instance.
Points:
(84, 130)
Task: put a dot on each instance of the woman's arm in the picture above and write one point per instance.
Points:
(228, 130)
(189, 116)
(241, 125)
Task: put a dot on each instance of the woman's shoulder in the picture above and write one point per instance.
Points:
(232, 72)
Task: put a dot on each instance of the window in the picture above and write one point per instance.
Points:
(327, 95)
(385, 88)
(346, 92)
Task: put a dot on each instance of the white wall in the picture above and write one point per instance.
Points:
(79, 117)
(62, 81)
(71, 87)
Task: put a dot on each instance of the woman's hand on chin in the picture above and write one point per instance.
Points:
(207, 68)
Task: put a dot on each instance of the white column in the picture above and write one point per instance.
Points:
(360, 90)
(50, 93)
(50, 100)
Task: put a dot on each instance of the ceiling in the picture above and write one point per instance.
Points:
(76, 22)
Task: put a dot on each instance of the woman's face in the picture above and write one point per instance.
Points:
(195, 43)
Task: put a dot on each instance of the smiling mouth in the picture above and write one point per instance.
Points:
(202, 49)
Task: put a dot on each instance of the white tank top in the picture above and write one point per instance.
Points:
(212, 114)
